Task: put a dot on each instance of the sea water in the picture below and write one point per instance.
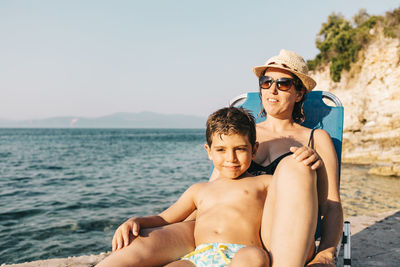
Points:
(63, 192)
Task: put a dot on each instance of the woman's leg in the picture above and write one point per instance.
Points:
(155, 247)
(290, 213)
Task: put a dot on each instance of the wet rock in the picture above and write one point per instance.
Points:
(386, 170)
(81, 261)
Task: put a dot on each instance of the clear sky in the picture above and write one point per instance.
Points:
(96, 57)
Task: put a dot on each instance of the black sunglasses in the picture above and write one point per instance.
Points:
(283, 84)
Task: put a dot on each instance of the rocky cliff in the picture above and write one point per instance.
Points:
(370, 93)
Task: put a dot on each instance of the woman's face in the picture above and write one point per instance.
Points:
(279, 103)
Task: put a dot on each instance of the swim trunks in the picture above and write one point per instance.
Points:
(213, 254)
(257, 169)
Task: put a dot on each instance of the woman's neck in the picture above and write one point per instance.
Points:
(279, 124)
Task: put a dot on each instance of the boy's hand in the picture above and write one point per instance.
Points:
(121, 236)
(308, 156)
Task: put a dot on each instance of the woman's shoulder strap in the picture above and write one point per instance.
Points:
(310, 143)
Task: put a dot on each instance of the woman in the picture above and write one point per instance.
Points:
(291, 207)
(297, 191)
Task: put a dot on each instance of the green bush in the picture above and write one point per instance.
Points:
(336, 44)
(391, 23)
(314, 63)
(336, 69)
(339, 41)
(362, 36)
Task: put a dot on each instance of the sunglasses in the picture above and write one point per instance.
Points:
(283, 84)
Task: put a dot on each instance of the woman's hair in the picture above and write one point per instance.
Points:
(298, 113)
(231, 120)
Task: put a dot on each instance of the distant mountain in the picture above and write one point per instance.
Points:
(116, 120)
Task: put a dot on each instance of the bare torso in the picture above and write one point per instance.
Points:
(230, 211)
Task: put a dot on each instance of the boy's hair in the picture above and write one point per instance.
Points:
(231, 120)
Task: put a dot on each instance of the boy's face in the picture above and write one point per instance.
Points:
(231, 154)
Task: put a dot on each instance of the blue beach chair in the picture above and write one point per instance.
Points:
(318, 116)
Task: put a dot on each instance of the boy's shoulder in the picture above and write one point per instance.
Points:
(265, 179)
(194, 190)
(248, 175)
(249, 178)
(197, 186)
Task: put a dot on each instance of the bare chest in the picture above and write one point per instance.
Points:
(236, 194)
(273, 146)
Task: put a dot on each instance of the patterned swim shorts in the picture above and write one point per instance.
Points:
(213, 254)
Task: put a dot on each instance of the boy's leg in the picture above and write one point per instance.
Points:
(290, 214)
(155, 247)
(251, 256)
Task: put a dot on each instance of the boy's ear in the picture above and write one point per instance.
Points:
(208, 151)
(255, 148)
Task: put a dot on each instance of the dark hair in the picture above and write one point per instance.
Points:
(231, 120)
(298, 113)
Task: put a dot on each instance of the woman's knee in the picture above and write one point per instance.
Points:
(294, 173)
(251, 255)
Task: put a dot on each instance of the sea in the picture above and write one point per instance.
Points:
(63, 192)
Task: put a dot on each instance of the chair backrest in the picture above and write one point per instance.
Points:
(318, 114)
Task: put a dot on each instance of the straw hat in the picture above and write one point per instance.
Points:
(292, 62)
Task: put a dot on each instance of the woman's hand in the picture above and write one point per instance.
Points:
(308, 156)
(322, 260)
(122, 234)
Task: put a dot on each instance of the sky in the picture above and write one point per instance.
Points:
(93, 58)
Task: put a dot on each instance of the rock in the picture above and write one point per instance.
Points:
(81, 261)
(386, 170)
(370, 94)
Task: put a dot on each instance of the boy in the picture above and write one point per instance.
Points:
(229, 208)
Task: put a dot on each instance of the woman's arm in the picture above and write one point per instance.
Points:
(328, 198)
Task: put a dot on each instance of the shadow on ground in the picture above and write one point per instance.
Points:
(378, 244)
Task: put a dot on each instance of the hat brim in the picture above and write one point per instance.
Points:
(308, 82)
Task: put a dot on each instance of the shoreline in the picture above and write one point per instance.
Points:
(375, 241)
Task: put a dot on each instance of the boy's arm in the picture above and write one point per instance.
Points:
(181, 209)
(184, 206)
(265, 179)
(177, 212)
(122, 237)
(147, 222)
